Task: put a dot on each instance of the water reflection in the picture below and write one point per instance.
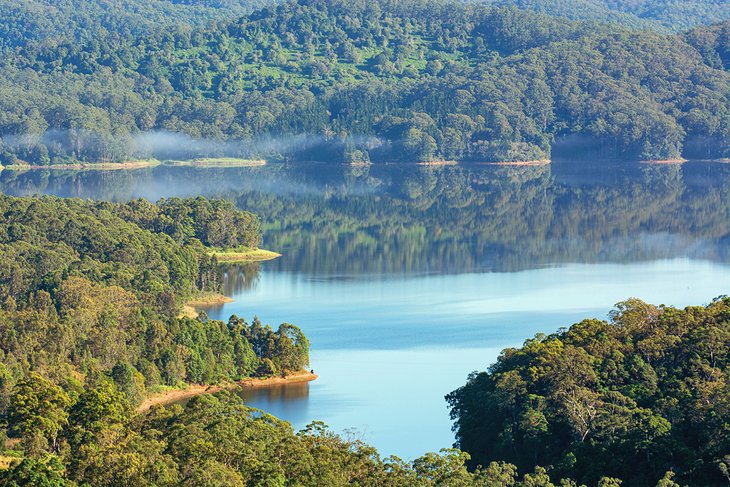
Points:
(238, 278)
(282, 400)
(407, 278)
(290, 393)
(343, 221)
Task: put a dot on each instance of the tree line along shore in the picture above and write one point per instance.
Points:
(89, 331)
(220, 162)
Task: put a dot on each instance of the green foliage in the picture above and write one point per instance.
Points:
(646, 389)
(217, 440)
(35, 473)
(37, 413)
(97, 409)
(215, 223)
(646, 14)
(363, 81)
(51, 20)
(90, 293)
(48, 240)
(634, 398)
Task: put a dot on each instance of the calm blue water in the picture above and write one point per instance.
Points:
(406, 279)
(387, 350)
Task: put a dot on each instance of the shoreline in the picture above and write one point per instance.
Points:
(87, 166)
(190, 308)
(168, 397)
(722, 160)
(215, 162)
(223, 162)
(665, 161)
(245, 256)
(203, 162)
(437, 163)
(536, 162)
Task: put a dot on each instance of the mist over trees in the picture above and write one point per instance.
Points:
(91, 293)
(369, 81)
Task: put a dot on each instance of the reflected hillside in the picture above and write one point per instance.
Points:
(343, 221)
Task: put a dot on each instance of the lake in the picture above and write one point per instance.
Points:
(407, 278)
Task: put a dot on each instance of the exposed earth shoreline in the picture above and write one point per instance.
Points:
(141, 164)
(229, 162)
(170, 396)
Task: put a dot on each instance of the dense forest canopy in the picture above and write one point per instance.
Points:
(631, 398)
(80, 346)
(49, 21)
(91, 292)
(89, 289)
(670, 15)
(90, 296)
(88, 326)
(364, 81)
(35, 21)
(217, 440)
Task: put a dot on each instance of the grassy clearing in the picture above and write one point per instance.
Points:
(188, 311)
(235, 256)
(10, 456)
(209, 299)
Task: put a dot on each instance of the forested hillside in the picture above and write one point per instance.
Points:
(670, 15)
(89, 300)
(674, 14)
(713, 43)
(93, 290)
(87, 330)
(218, 441)
(52, 21)
(632, 398)
(356, 81)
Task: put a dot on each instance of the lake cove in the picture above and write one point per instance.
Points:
(407, 278)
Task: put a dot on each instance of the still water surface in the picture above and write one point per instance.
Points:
(406, 279)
